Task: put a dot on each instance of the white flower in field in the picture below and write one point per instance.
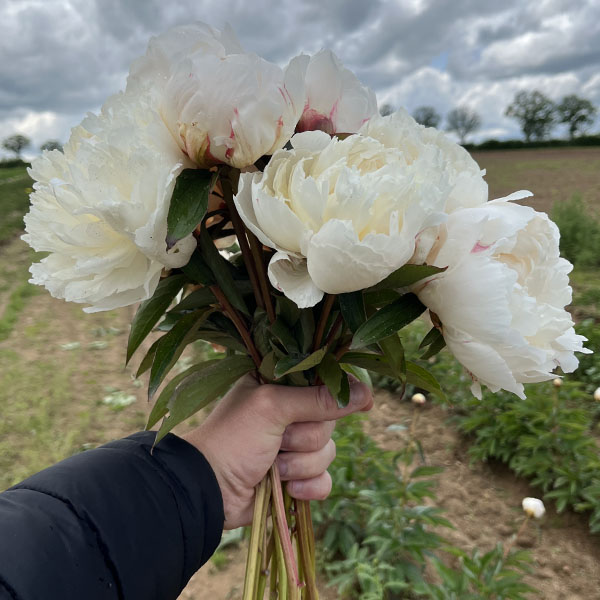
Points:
(336, 101)
(418, 399)
(342, 215)
(557, 382)
(534, 507)
(100, 208)
(501, 301)
(221, 104)
(597, 394)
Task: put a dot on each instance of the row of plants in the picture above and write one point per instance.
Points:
(381, 532)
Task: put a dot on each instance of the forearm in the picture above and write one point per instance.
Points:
(115, 522)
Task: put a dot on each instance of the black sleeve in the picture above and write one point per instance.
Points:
(112, 523)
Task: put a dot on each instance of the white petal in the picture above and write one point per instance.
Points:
(290, 276)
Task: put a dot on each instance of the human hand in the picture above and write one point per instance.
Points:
(249, 427)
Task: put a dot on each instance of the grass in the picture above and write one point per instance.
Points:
(15, 187)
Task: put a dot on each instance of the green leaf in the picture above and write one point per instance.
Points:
(435, 346)
(188, 203)
(335, 378)
(197, 270)
(358, 372)
(432, 336)
(221, 270)
(305, 329)
(293, 364)
(220, 337)
(151, 310)
(394, 354)
(197, 299)
(421, 378)
(388, 320)
(148, 359)
(353, 309)
(380, 298)
(407, 275)
(172, 344)
(267, 366)
(288, 310)
(369, 361)
(203, 385)
(281, 331)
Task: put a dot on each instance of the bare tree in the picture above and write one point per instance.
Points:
(427, 115)
(463, 121)
(16, 143)
(535, 112)
(577, 112)
(386, 109)
(51, 145)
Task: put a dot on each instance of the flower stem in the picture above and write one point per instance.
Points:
(262, 275)
(239, 324)
(283, 533)
(327, 306)
(306, 544)
(258, 524)
(514, 540)
(240, 232)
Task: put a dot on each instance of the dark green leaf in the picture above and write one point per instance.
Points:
(435, 347)
(353, 309)
(292, 364)
(171, 318)
(197, 270)
(151, 310)
(203, 385)
(335, 378)
(148, 359)
(421, 378)
(221, 338)
(432, 336)
(221, 271)
(288, 310)
(188, 203)
(380, 298)
(267, 366)
(172, 344)
(197, 299)
(261, 331)
(358, 372)
(388, 320)
(407, 275)
(394, 354)
(369, 361)
(305, 329)
(281, 331)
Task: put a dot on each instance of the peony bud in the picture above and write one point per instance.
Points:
(419, 399)
(557, 382)
(597, 394)
(533, 507)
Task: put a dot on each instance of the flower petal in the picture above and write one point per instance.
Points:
(290, 276)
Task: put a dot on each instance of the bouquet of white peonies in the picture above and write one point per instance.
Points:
(275, 213)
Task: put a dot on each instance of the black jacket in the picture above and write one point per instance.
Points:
(112, 523)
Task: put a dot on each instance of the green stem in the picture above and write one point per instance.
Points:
(281, 527)
(258, 523)
(306, 539)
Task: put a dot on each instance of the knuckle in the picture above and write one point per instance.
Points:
(264, 398)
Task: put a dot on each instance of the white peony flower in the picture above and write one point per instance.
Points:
(342, 215)
(336, 101)
(468, 188)
(100, 208)
(221, 104)
(534, 507)
(501, 301)
(597, 394)
(418, 399)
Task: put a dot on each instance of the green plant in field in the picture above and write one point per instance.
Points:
(376, 529)
(579, 232)
(494, 574)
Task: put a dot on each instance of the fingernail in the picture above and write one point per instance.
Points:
(296, 487)
(357, 392)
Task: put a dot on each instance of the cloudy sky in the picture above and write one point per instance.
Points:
(62, 58)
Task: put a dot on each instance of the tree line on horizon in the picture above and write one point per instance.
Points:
(536, 114)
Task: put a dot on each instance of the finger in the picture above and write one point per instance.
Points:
(317, 488)
(305, 465)
(315, 403)
(307, 437)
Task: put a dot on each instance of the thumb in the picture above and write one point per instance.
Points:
(315, 403)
